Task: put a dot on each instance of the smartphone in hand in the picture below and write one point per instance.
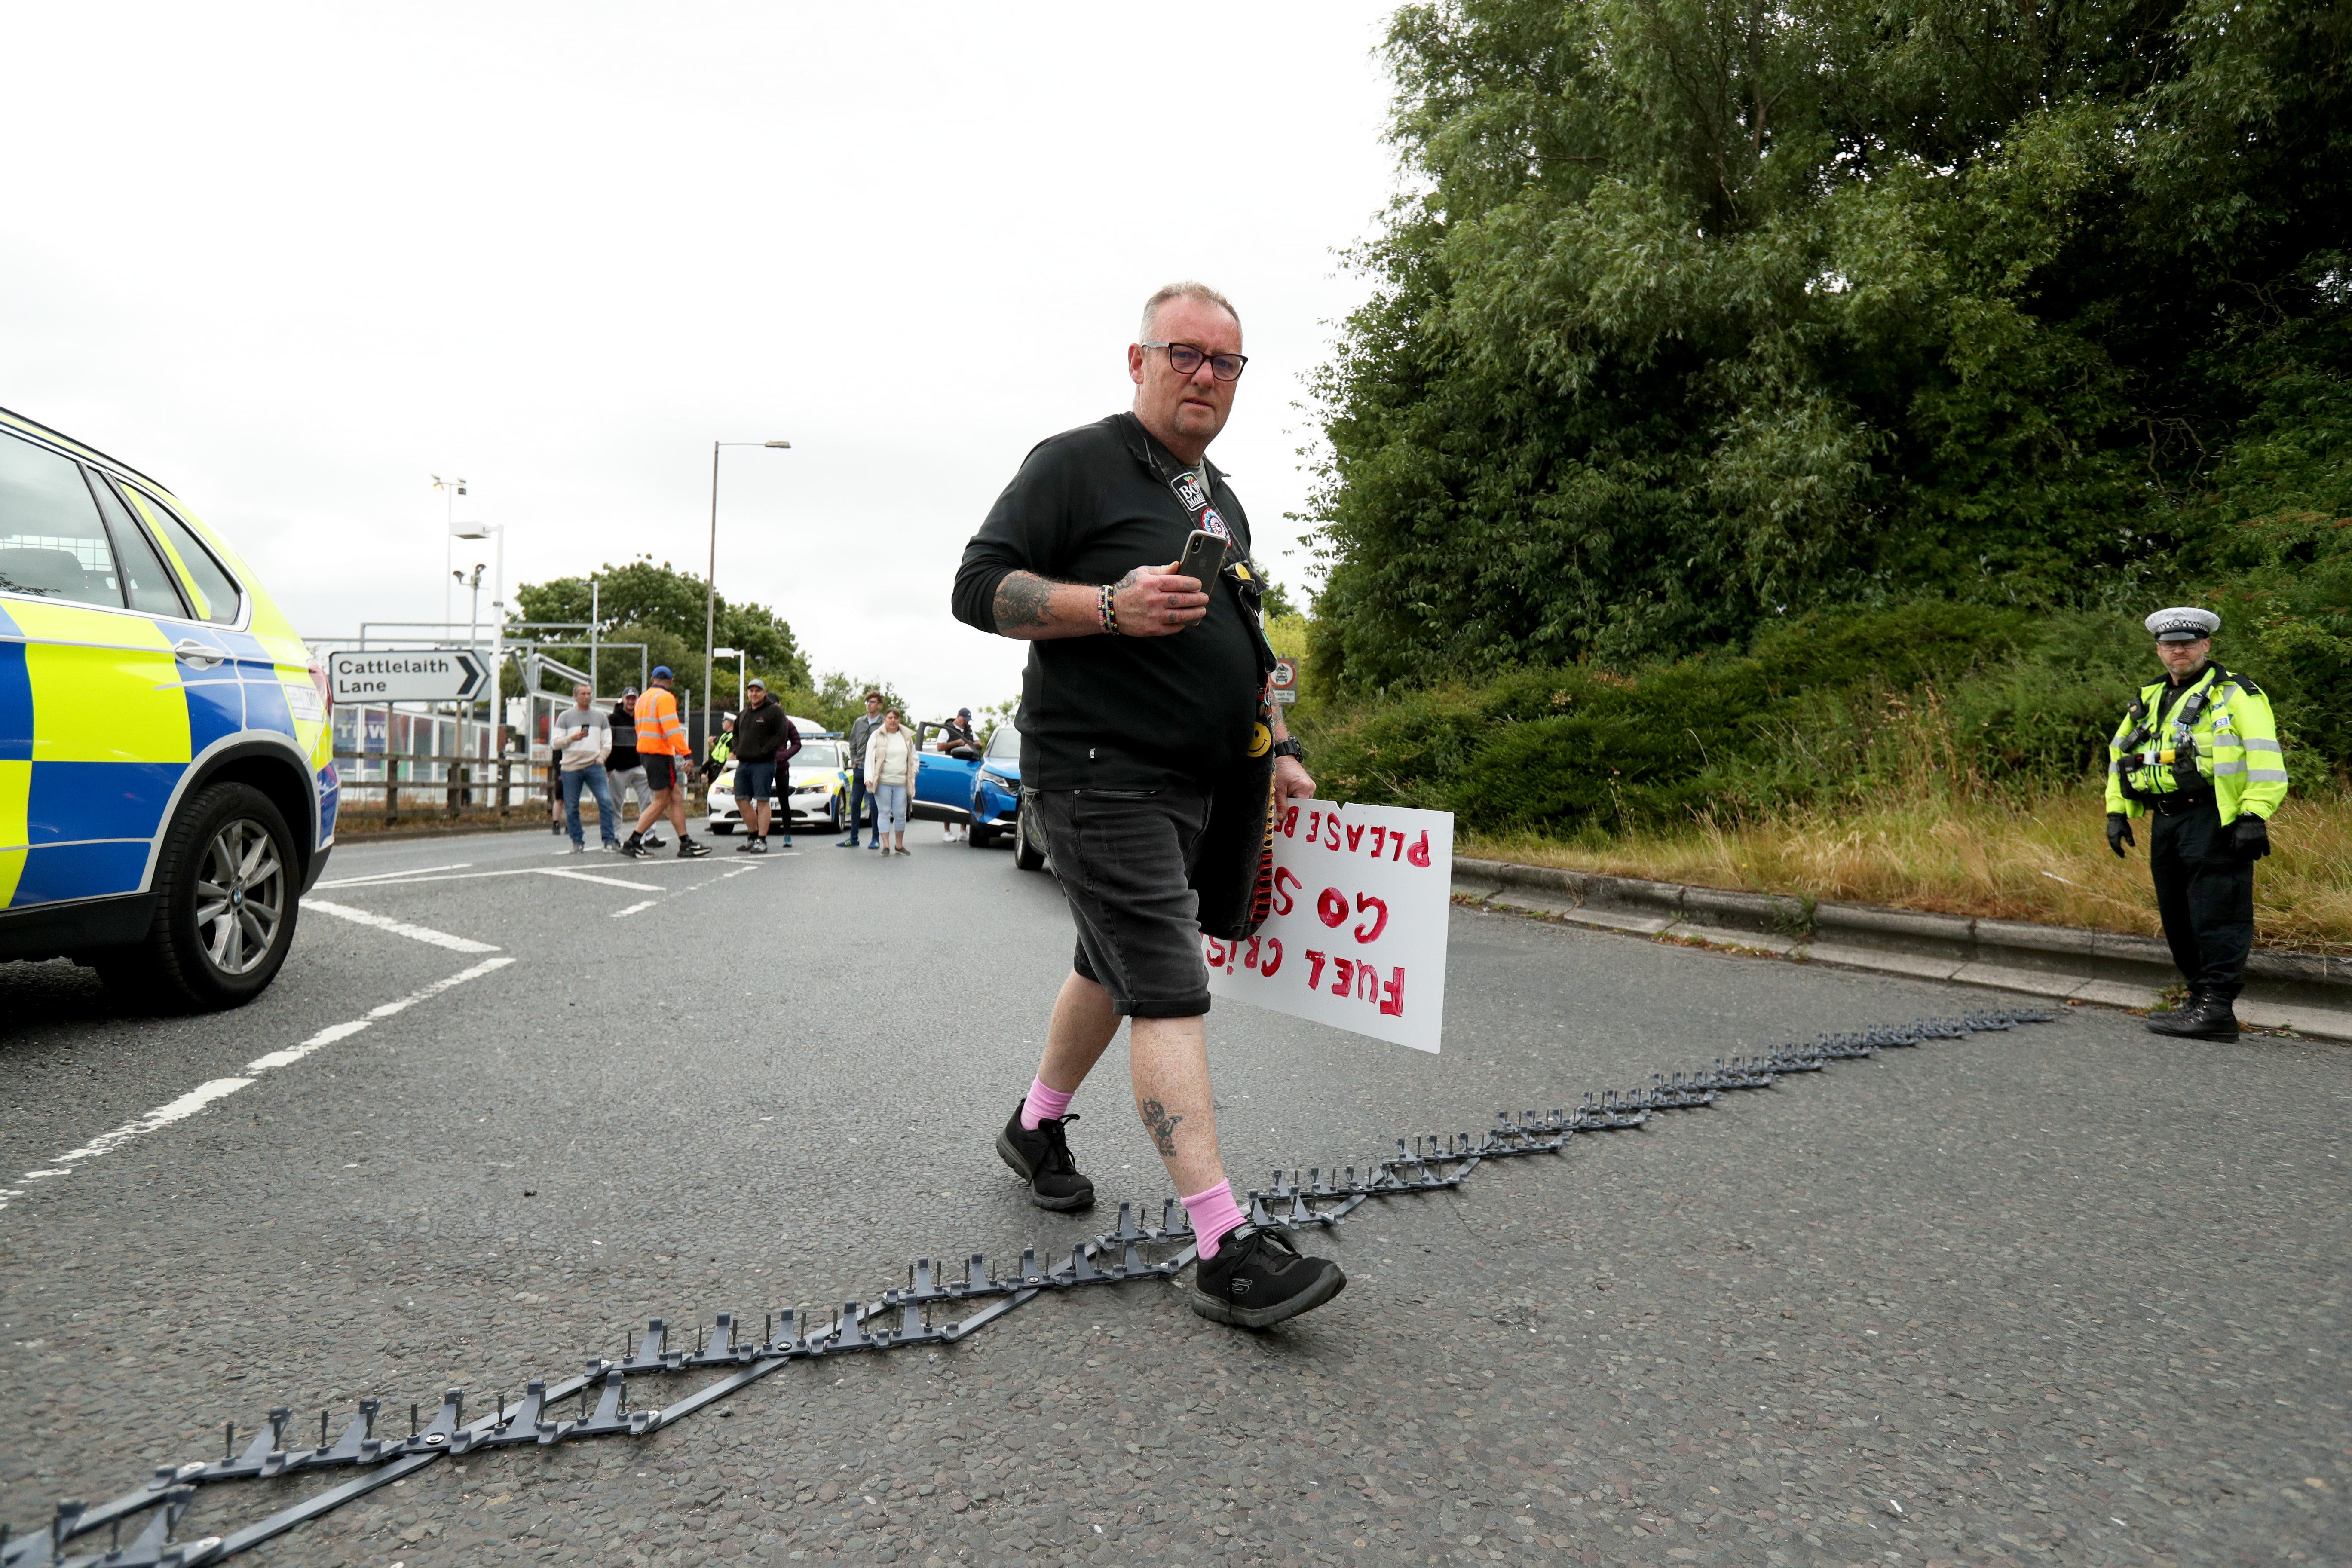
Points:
(1205, 557)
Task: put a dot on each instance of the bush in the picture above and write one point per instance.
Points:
(1843, 705)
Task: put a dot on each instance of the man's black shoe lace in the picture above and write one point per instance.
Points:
(1056, 1159)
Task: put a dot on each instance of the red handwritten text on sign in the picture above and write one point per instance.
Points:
(1361, 897)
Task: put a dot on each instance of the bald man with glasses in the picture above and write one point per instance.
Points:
(1144, 690)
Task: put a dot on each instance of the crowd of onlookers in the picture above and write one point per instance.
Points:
(601, 754)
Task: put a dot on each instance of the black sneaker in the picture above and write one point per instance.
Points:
(759, 846)
(635, 848)
(1043, 1160)
(654, 840)
(1258, 1279)
(749, 847)
(687, 849)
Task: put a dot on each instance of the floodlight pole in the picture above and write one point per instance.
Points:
(711, 583)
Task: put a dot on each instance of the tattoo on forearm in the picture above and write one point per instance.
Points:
(1162, 1126)
(1024, 600)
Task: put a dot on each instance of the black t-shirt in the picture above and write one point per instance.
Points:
(625, 738)
(1088, 506)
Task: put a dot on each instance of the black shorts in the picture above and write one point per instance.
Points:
(661, 771)
(1124, 858)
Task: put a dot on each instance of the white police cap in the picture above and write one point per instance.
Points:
(2183, 624)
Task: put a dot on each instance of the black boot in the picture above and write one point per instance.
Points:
(2167, 1014)
(2208, 1017)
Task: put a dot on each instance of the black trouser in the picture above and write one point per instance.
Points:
(2205, 892)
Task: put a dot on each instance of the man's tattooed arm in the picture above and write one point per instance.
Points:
(1162, 1126)
(1033, 609)
(1024, 600)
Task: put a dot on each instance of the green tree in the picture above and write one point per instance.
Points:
(1707, 312)
(664, 608)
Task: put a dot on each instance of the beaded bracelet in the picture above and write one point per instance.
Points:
(1109, 613)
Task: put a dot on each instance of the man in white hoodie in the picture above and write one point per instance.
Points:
(584, 737)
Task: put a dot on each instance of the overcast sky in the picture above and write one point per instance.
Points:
(294, 260)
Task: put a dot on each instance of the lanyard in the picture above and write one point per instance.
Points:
(1200, 506)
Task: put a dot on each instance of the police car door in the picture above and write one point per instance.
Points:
(93, 721)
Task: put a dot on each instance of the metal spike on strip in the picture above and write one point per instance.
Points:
(166, 1494)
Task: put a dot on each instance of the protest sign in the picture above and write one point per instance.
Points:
(1357, 937)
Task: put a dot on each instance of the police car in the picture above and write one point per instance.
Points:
(167, 785)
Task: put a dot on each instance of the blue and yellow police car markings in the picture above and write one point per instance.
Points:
(109, 743)
(15, 703)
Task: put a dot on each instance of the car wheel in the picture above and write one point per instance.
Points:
(833, 815)
(225, 922)
(1027, 853)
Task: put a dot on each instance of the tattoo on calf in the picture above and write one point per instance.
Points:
(1024, 600)
(1162, 1126)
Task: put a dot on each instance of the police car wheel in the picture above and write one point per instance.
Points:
(230, 884)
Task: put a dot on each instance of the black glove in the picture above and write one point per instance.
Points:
(2251, 836)
(2119, 833)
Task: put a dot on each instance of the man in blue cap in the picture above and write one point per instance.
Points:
(2200, 751)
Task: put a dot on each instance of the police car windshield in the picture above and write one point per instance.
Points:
(818, 754)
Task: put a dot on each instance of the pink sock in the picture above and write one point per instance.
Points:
(1214, 1214)
(1043, 1104)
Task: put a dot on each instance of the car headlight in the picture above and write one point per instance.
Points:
(998, 779)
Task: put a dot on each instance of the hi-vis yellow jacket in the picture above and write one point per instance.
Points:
(2218, 734)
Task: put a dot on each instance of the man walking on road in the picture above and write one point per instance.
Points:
(668, 763)
(765, 741)
(2201, 750)
(861, 791)
(1142, 687)
(585, 738)
(624, 769)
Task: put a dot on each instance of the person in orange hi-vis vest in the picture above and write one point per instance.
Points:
(668, 761)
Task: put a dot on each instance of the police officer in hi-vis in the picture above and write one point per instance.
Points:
(2200, 750)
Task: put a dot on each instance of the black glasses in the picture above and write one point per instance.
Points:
(1184, 359)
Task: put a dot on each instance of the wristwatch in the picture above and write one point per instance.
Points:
(1289, 747)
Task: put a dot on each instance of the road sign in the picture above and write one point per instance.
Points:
(418, 675)
(1286, 679)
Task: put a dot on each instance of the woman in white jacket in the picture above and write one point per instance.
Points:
(891, 765)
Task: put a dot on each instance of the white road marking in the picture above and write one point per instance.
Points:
(592, 877)
(650, 903)
(400, 928)
(205, 1094)
(379, 876)
(391, 879)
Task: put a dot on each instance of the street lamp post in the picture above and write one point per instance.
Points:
(498, 620)
(742, 658)
(710, 596)
(450, 490)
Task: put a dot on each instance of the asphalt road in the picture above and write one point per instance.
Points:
(2071, 1294)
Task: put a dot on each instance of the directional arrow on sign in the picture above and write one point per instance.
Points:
(412, 674)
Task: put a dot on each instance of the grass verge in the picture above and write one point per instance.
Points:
(2039, 857)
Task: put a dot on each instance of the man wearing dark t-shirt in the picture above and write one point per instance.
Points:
(1142, 687)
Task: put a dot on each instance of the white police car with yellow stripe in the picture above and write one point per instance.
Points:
(167, 787)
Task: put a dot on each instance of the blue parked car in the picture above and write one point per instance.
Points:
(996, 800)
